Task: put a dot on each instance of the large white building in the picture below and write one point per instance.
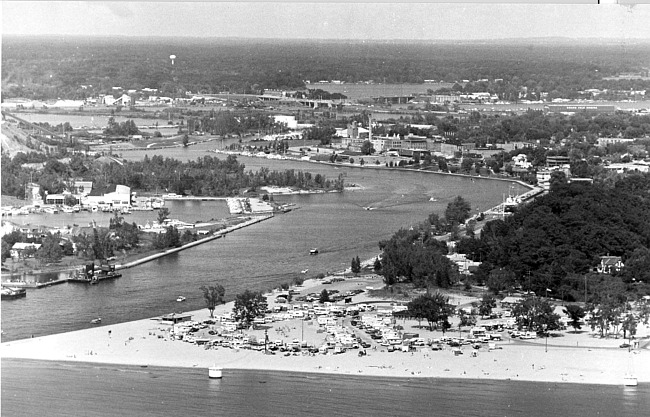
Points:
(113, 196)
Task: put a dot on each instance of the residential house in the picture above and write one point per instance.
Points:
(609, 264)
(20, 249)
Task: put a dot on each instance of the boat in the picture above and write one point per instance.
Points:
(96, 321)
(215, 372)
(304, 271)
(10, 293)
(630, 380)
(313, 251)
(180, 298)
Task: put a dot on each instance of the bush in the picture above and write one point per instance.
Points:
(298, 281)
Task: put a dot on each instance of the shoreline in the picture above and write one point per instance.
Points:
(148, 342)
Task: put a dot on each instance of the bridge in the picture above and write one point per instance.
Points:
(6, 114)
(302, 101)
(394, 99)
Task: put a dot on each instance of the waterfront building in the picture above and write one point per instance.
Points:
(113, 196)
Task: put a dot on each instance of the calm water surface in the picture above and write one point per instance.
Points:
(110, 390)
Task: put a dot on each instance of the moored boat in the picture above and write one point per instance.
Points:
(10, 293)
(215, 372)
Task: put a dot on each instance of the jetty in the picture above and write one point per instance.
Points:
(216, 235)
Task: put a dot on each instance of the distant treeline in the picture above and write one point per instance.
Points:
(44, 68)
(206, 176)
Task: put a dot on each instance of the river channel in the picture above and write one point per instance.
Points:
(257, 257)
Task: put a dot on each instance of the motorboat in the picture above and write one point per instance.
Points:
(180, 298)
(11, 293)
(304, 271)
(313, 251)
(96, 321)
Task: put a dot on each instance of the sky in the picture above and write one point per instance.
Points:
(332, 20)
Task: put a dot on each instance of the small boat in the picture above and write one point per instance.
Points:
(180, 298)
(304, 271)
(313, 251)
(96, 321)
(630, 380)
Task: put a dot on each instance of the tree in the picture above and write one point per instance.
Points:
(488, 302)
(367, 148)
(248, 305)
(324, 296)
(50, 250)
(536, 314)
(576, 314)
(434, 308)
(186, 140)
(457, 211)
(377, 265)
(466, 320)
(356, 265)
(163, 214)
(629, 325)
(213, 296)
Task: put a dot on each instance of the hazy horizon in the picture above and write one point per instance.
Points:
(269, 20)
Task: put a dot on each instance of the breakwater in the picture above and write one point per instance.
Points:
(216, 235)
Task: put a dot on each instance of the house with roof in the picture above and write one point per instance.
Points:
(511, 301)
(20, 250)
(609, 264)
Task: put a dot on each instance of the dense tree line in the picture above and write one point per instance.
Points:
(556, 241)
(208, 176)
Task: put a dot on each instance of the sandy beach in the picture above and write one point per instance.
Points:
(573, 358)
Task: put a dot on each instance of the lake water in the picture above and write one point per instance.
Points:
(257, 257)
(66, 389)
